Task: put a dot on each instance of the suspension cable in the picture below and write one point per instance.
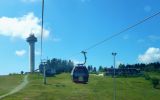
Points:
(42, 29)
(124, 30)
(119, 33)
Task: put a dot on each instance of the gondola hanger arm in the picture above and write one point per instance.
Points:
(85, 57)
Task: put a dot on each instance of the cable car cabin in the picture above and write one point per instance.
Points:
(49, 70)
(80, 74)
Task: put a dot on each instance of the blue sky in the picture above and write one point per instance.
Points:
(74, 25)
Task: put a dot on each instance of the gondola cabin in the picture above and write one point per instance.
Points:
(49, 71)
(80, 74)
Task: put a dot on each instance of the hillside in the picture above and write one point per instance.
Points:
(7, 83)
(61, 87)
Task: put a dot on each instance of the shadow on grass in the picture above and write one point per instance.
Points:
(57, 85)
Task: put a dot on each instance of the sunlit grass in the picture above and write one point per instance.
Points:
(7, 83)
(61, 87)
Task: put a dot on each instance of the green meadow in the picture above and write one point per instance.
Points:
(8, 83)
(61, 87)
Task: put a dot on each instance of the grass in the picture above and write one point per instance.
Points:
(154, 74)
(99, 88)
(7, 83)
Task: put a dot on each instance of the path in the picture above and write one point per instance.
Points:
(18, 88)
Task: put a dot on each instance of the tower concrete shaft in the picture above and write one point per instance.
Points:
(32, 56)
(31, 40)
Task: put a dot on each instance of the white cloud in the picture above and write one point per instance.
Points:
(21, 27)
(54, 39)
(20, 53)
(151, 55)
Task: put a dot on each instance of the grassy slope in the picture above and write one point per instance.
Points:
(7, 83)
(154, 74)
(98, 88)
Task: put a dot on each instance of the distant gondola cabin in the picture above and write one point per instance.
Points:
(50, 71)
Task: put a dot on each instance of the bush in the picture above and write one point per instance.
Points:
(146, 76)
(155, 82)
(10, 74)
(22, 72)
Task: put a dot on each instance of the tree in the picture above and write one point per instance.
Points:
(146, 76)
(90, 68)
(121, 66)
(101, 69)
(70, 66)
(22, 72)
(57, 65)
(155, 82)
(94, 69)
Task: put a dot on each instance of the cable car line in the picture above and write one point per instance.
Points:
(124, 30)
(119, 33)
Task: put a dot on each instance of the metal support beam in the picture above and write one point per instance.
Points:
(114, 79)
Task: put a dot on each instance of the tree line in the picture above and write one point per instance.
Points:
(61, 66)
(57, 65)
(142, 67)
